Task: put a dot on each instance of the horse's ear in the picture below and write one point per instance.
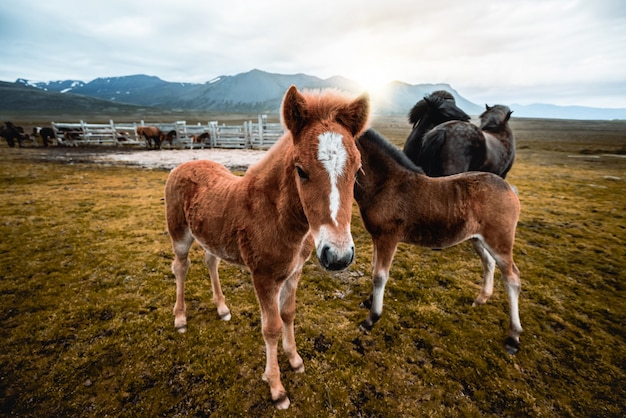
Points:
(508, 115)
(355, 115)
(487, 107)
(295, 111)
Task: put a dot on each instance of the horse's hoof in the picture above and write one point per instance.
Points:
(282, 402)
(365, 326)
(511, 345)
(182, 329)
(226, 316)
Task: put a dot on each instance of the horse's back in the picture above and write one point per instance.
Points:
(192, 180)
(451, 147)
(494, 199)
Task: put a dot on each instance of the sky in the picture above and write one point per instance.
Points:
(564, 52)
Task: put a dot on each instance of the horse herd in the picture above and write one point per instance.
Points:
(447, 187)
(152, 135)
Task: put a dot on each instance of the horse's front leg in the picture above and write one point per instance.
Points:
(267, 290)
(382, 257)
(212, 262)
(287, 313)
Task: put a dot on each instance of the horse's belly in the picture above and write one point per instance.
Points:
(438, 234)
(224, 251)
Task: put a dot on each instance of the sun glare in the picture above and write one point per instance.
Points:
(371, 80)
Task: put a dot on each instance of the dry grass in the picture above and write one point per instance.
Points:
(86, 295)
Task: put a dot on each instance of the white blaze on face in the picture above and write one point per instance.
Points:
(333, 156)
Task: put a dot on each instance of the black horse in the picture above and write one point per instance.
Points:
(434, 109)
(457, 146)
(46, 134)
(12, 133)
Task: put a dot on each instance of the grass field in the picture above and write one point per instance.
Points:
(86, 326)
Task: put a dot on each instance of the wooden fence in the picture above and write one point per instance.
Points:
(259, 135)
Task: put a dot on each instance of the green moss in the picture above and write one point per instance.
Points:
(86, 289)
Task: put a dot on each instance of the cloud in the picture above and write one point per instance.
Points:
(549, 48)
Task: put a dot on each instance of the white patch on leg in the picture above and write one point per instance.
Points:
(333, 156)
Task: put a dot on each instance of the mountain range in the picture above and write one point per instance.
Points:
(255, 91)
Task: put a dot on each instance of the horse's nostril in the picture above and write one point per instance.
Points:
(333, 261)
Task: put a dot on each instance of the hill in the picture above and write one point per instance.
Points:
(255, 91)
(20, 98)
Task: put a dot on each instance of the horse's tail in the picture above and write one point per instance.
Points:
(413, 145)
(430, 153)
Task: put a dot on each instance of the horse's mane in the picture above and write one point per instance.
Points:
(388, 149)
(325, 104)
(436, 98)
(321, 105)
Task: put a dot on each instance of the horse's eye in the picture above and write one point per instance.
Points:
(301, 173)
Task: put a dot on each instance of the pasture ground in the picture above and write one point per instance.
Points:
(86, 326)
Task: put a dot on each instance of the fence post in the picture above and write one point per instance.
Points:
(261, 130)
(84, 129)
(213, 132)
(114, 133)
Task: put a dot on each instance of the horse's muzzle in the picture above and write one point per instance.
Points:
(333, 260)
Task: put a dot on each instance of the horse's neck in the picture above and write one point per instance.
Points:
(502, 138)
(271, 177)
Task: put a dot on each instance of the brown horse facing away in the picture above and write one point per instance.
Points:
(298, 197)
(399, 203)
(152, 135)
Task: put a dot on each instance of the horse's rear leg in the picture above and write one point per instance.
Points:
(513, 286)
(381, 263)
(180, 266)
(212, 263)
(489, 266)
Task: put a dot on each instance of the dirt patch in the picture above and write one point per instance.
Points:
(233, 159)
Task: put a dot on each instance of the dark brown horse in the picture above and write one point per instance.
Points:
(434, 109)
(152, 135)
(46, 134)
(12, 133)
(298, 197)
(399, 203)
(168, 137)
(200, 139)
(457, 146)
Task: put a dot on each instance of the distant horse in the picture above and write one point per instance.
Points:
(46, 134)
(152, 135)
(169, 137)
(298, 197)
(200, 139)
(456, 147)
(12, 133)
(399, 203)
(434, 109)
